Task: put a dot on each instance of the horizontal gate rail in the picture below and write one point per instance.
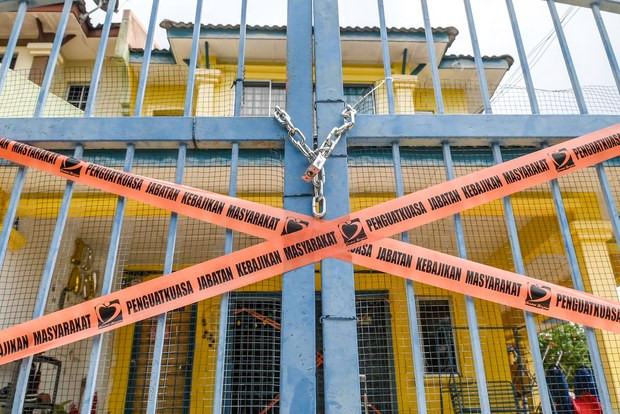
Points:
(370, 129)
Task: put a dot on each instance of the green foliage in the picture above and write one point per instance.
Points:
(568, 339)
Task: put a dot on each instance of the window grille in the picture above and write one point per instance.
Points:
(12, 63)
(78, 95)
(353, 93)
(261, 98)
(251, 381)
(437, 331)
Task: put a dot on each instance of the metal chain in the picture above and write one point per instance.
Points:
(317, 158)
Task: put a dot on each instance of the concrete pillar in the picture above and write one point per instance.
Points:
(206, 84)
(591, 243)
(404, 87)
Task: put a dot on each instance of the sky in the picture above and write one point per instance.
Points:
(491, 18)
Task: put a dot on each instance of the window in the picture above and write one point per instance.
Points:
(438, 336)
(78, 95)
(261, 98)
(353, 93)
(252, 373)
(13, 61)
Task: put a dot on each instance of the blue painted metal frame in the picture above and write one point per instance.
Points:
(232, 191)
(412, 309)
(470, 306)
(595, 356)
(106, 287)
(575, 272)
(385, 53)
(412, 312)
(298, 386)
(460, 237)
(341, 367)
(160, 329)
(10, 47)
(53, 58)
(611, 56)
(370, 129)
(530, 322)
(108, 275)
(223, 325)
(525, 67)
(44, 286)
(298, 342)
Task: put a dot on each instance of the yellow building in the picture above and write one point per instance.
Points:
(251, 359)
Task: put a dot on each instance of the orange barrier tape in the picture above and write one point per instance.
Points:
(316, 242)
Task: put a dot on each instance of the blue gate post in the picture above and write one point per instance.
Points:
(298, 351)
(341, 368)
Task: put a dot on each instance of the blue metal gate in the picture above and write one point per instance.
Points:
(315, 100)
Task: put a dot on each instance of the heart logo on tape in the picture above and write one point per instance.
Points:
(352, 231)
(562, 160)
(71, 166)
(109, 313)
(538, 296)
(293, 225)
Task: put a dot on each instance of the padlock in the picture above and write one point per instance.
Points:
(314, 168)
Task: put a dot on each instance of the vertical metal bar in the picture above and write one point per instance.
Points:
(414, 329)
(568, 60)
(146, 59)
(403, 67)
(298, 339)
(53, 59)
(108, 276)
(595, 356)
(223, 327)
(50, 264)
(103, 43)
(11, 211)
(160, 329)
(525, 67)
(469, 302)
(385, 52)
(193, 60)
(44, 287)
(398, 175)
(609, 201)
(341, 368)
(482, 78)
(575, 272)
(10, 46)
(432, 57)
(228, 248)
(611, 56)
(241, 59)
(530, 322)
(158, 345)
(470, 306)
(106, 287)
